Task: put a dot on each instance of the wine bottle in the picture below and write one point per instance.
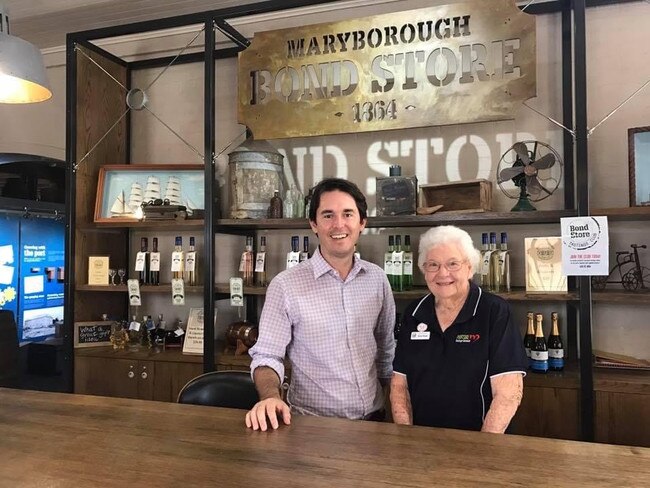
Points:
(260, 263)
(484, 265)
(177, 259)
(407, 264)
(304, 255)
(246, 263)
(190, 264)
(154, 264)
(504, 264)
(142, 261)
(529, 338)
(555, 347)
(495, 274)
(539, 351)
(388, 260)
(398, 265)
(293, 256)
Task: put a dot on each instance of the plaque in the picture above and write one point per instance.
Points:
(544, 265)
(98, 270)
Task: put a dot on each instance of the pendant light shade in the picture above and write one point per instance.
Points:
(22, 71)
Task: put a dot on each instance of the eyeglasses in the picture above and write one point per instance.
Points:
(451, 266)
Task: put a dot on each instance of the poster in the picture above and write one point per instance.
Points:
(42, 273)
(585, 246)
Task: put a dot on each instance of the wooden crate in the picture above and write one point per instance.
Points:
(471, 195)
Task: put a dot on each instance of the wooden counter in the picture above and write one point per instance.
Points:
(53, 439)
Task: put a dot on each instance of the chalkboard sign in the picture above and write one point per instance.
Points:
(91, 334)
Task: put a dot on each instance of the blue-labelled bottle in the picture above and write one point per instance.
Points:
(555, 347)
(539, 351)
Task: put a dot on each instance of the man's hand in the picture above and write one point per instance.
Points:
(256, 417)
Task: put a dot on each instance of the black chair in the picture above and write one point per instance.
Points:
(9, 350)
(229, 389)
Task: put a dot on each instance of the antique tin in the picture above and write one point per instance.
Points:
(255, 174)
(397, 195)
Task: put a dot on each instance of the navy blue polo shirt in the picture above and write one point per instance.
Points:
(449, 372)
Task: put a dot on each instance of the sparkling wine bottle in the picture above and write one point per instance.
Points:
(555, 346)
(539, 351)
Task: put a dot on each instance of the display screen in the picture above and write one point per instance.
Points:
(32, 271)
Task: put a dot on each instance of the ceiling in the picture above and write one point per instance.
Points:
(45, 23)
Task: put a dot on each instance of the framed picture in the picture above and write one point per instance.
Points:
(638, 144)
(123, 188)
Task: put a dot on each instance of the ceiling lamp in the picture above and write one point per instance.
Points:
(22, 72)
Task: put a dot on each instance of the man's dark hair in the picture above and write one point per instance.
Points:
(337, 184)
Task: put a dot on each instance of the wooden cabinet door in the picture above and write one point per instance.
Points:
(106, 377)
(146, 373)
(622, 418)
(548, 412)
(171, 377)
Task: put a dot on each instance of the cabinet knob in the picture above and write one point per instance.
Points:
(131, 374)
(144, 375)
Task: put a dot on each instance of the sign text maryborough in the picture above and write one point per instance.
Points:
(466, 62)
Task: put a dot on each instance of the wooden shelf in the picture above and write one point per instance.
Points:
(516, 295)
(623, 214)
(568, 378)
(620, 296)
(147, 224)
(458, 218)
(621, 380)
(163, 288)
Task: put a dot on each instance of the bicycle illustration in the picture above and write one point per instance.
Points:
(633, 276)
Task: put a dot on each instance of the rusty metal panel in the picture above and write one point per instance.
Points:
(467, 62)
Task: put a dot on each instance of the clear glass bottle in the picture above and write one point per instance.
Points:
(504, 264)
(178, 258)
(191, 262)
(293, 256)
(143, 275)
(246, 263)
(483, 272)
(495, 276)
(407, 264)
(304, 255)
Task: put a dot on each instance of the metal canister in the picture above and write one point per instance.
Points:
(256, 172)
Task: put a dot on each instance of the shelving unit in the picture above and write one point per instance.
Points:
(92, 108)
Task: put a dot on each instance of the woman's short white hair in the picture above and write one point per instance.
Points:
(448, 234)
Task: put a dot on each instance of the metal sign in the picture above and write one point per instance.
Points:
(466, 62)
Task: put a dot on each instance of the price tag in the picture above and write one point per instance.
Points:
(178, 291)
(177, 261)
(140, 260)
(134, 325)
(190, 260)
(179, 332)
(236, 292)
(133, 286)
(259, 262)
(154, 261)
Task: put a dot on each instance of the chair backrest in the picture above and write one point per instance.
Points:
(9, 350)
(229, 389)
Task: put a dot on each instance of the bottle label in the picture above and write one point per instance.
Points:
(388, 263)
(260, 260)
(242, 262)
(555, 363)
(398, 269)
(190, 261)
(178, 291)
(538, 355)
(177, 261)
(133, 286)
(140, 260)
(293, 258)
(539, 365)
(408, 263)
(485, 263)
(154, 261)
(556, 353)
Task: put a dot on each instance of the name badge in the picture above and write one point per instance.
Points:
(420, 336)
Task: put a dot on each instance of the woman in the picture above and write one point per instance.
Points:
(460, 360)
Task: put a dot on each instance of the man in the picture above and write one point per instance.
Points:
(333, 315)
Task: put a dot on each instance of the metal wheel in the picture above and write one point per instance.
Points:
(631, 280)
(598, 283)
